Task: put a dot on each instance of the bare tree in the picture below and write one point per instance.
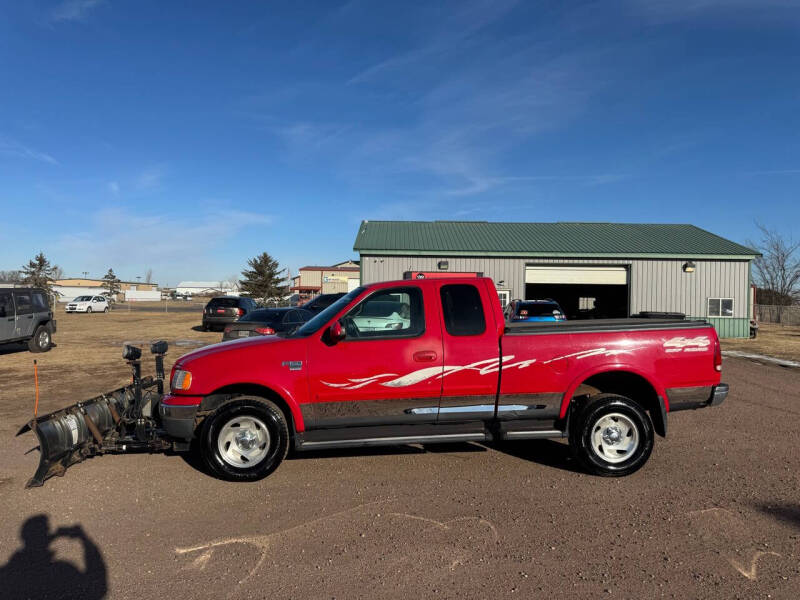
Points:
(148, 276)
(58, 272)
(10, 277)
(777, 270)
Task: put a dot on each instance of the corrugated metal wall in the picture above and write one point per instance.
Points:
(657, 285)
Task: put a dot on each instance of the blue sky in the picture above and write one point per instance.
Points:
(188, 137)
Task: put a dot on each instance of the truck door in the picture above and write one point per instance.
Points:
(7, 317)
(25, 320)
(471, 353)
(388, 368)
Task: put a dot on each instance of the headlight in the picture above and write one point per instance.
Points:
(181, 380)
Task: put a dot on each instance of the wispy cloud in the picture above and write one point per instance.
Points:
(669, 11)
(11, 147)
(151, 177)
(73, 10)
(113, 187)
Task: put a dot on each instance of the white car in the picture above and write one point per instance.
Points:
(88, 304)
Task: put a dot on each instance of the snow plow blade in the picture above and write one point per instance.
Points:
(121, 421)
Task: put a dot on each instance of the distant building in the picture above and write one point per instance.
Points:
(311, 281)
(207, 288)
(67, 289)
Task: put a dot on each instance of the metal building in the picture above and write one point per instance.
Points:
(591, 269)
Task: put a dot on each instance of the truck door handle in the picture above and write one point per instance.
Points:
(425, 356)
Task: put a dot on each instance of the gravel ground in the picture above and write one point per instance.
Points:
(714, 514)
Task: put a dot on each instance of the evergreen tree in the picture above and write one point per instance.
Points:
(112, 283)
(264, 280)
(38, 273)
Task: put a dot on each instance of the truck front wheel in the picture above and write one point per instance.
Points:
(611, 436)
(245, 440)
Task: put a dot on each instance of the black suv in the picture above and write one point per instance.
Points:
(224, 310)
(25, 316)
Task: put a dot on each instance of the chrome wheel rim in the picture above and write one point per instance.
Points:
(243, 442)
(615, 438)
(44, 339)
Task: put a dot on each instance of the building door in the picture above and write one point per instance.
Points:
(584, 292)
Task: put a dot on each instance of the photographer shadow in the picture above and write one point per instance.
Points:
(33, 571)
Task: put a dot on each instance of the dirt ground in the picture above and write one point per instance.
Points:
(780, 341)
(714, 514)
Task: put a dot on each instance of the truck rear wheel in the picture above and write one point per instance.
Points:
(611, 436)
(246, 439)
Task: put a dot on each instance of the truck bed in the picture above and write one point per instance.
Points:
(592, 325)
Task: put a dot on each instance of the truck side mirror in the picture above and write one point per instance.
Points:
(336, 332)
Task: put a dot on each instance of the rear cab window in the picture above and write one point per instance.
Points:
(462, 309)
(24, 305)
(40, 302)
(6, 305)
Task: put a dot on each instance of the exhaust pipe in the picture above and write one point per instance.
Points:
(116, 422)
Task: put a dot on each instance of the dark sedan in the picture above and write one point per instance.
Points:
(266, 321)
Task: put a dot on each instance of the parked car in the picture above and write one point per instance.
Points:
(224, 310)
(25, 316)
(321, 302)
(266, 321)
(531, 311)
(88, 304)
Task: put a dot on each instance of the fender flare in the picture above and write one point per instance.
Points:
(219, 396)
(659, 420)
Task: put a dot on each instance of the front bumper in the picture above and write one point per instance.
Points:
(178, 415)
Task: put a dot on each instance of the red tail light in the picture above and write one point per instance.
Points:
(265, 330)
(227, 330)
(717, 354)
(240, 311)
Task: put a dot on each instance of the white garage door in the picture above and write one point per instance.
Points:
(589, 275)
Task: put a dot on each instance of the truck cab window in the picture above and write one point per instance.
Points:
(396, 312)
(462, 310)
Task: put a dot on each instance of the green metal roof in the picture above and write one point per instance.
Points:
(544, 239)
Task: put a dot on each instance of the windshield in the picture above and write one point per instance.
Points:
(326, 315)
(82, 299)
(264, 315)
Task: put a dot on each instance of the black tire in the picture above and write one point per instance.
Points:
(105, 310)
(247, 409)
(205, 327)
(625, 439)
(88, 310)
(41, 341)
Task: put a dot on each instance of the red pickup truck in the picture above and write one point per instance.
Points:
(432, 360)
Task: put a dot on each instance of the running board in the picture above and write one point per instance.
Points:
(393, 441)
(391, 435)
(532, 434)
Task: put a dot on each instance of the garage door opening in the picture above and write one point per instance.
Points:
(582, 292)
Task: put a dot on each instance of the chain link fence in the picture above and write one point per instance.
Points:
(785, 315)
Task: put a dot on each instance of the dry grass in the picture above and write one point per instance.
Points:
(88, 358)
(773, 340)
